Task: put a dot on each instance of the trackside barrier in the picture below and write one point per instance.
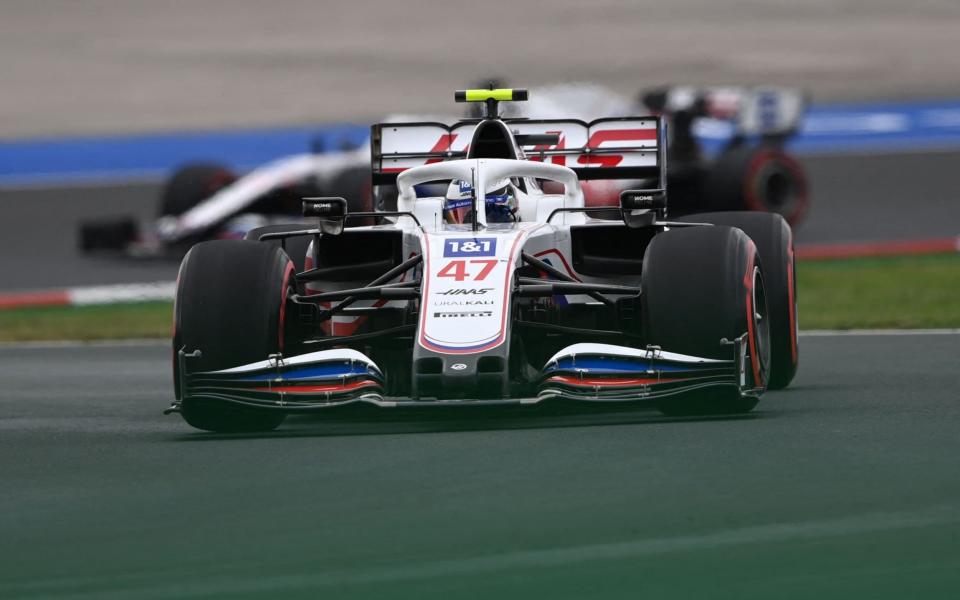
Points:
(876, 249)
(91, 295)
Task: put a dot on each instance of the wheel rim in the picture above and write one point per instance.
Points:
(761, 324)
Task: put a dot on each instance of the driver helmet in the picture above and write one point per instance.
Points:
(500, 202)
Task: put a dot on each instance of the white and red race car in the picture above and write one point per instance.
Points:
(482, 288)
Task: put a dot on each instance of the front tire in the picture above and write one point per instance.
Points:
(701, 285)
(230, 305)
(295, 247)
(774, 240)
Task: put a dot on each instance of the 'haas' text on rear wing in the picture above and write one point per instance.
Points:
(614, 148)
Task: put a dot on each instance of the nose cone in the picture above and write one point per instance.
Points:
(449, 377)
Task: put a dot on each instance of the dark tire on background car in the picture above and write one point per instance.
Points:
(354, 184)
(192, 184)
(702, 285)
(295, 247)
(774, 240)
(230, 305)
(760, 178)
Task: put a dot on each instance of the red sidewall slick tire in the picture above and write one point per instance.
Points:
(230, 305)
(774, 240)
(763, 178)
(701, 285)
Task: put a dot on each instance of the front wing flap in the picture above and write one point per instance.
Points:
(604, 372)
(313, 380)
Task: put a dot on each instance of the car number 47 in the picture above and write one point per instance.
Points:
(477, 271)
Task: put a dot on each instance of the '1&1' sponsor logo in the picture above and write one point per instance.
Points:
(470, 247)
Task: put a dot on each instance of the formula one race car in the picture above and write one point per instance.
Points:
(207, 200)
(751, 170)
(493, 292)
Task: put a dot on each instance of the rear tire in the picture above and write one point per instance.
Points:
(760, 178)
(774, 240)
(230, 305)
(701, 285)
(192, 184)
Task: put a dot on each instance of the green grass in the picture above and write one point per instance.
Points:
(900, 292)
(903, 292)
(120, 321)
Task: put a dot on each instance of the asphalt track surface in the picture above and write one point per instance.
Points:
(844, 486)
(855, 198)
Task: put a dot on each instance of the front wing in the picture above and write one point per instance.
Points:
(595, 373)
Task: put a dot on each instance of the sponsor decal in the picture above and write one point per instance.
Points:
(455, 204)
(768, 103)
(467, 329)
(460, 314)
(465, 292)
(598, 138)
(443, 145)
(470, 247)
(464, 302)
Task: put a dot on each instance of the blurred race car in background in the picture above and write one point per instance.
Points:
(751, 170)
(726, 153)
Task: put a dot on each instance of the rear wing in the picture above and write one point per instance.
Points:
(614, 148)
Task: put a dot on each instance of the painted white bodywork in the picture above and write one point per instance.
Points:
(310, 358)
(470, 273)
(588, 349)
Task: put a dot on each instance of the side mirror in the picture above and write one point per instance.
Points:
(330, 212)
(643, 199)
(640, 208)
